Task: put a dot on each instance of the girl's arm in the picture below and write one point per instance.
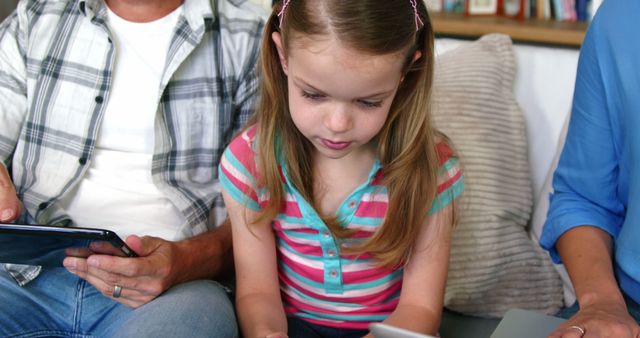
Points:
(425, 275)
(258, 303)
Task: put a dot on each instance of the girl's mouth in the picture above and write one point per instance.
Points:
(335, 145)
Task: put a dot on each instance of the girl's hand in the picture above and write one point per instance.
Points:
(600, 320)
(277, 335)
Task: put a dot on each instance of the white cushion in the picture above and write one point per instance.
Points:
(494, 265)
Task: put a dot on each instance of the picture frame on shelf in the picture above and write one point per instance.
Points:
(482, 7)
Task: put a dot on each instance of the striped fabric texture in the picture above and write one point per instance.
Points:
(318, 283)
(56, 62)
(494, 265)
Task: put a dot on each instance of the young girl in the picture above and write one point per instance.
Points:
(340, 192)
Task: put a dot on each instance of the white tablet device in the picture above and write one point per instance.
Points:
(380, 330)
(526, 324)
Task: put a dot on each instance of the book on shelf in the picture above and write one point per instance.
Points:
(454, 6)
(581, 10)
(558, 10)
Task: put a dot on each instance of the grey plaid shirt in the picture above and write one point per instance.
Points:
(56, 66)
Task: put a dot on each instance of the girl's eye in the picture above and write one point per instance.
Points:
(312, 96)
(371, 104)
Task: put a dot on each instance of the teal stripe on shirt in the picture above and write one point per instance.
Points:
(237, 194)
(347, 287)
(446, 197)
(341, 317)
(239, 166)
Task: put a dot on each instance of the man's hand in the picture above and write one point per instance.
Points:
(9, 204)
(141, 279)
(161, 264)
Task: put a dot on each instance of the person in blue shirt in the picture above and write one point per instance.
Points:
(593, 224)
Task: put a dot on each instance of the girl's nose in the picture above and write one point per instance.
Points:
(339, 120)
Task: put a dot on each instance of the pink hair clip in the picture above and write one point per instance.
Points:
(414, 4)
(419, 22)
(285, 3)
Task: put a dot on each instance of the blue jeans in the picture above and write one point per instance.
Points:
(298, 328)
(59, 304)
(632, 307)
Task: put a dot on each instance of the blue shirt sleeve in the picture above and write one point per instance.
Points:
(586, 182)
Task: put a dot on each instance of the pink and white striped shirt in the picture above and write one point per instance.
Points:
(318, 283)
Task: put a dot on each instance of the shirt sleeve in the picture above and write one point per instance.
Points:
(246, 92)
(13, 88)
(237, 170)
(585, 182)
(450, 179)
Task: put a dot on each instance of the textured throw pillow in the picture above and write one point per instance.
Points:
(494, 265)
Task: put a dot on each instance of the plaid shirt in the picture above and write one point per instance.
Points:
(56, 66)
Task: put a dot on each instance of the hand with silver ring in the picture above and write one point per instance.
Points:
(579, 328)
(117, 290)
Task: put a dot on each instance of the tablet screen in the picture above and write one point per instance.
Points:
(47, 246)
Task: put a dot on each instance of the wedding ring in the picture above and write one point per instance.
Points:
(117, 290)
(576, 327)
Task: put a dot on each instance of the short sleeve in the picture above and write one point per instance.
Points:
(238, 171)
(450, 179)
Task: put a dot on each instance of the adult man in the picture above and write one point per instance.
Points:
(113, 115)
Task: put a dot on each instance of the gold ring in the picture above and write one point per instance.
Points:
(582, 331)
(117, 290)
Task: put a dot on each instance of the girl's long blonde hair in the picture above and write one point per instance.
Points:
(406, 143)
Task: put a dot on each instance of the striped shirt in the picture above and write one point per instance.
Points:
(56, 66)
(318, 283)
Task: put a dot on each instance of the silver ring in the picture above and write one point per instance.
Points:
(117, 290)
(582, 331)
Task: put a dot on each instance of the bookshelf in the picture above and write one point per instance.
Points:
(537, 31)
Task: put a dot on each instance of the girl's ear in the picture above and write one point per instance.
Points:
(417, 55)
(277, 40)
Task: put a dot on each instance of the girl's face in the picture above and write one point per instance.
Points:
(339, 98)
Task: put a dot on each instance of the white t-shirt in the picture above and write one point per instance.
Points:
(117, 192)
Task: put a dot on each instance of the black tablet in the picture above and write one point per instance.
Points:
(49, 245)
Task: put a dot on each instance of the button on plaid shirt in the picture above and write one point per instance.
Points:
(56, 66)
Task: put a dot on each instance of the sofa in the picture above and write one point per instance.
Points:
(500, 102)
(477, 81)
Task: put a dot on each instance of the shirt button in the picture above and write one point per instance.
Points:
(333, 273)
(325, 234)
(331, 253)
(352, 204)
(42, 206)
(99, 99)
(82, 160)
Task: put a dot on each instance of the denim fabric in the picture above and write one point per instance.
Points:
(632, 307)
(298, 328)
(59, 304)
